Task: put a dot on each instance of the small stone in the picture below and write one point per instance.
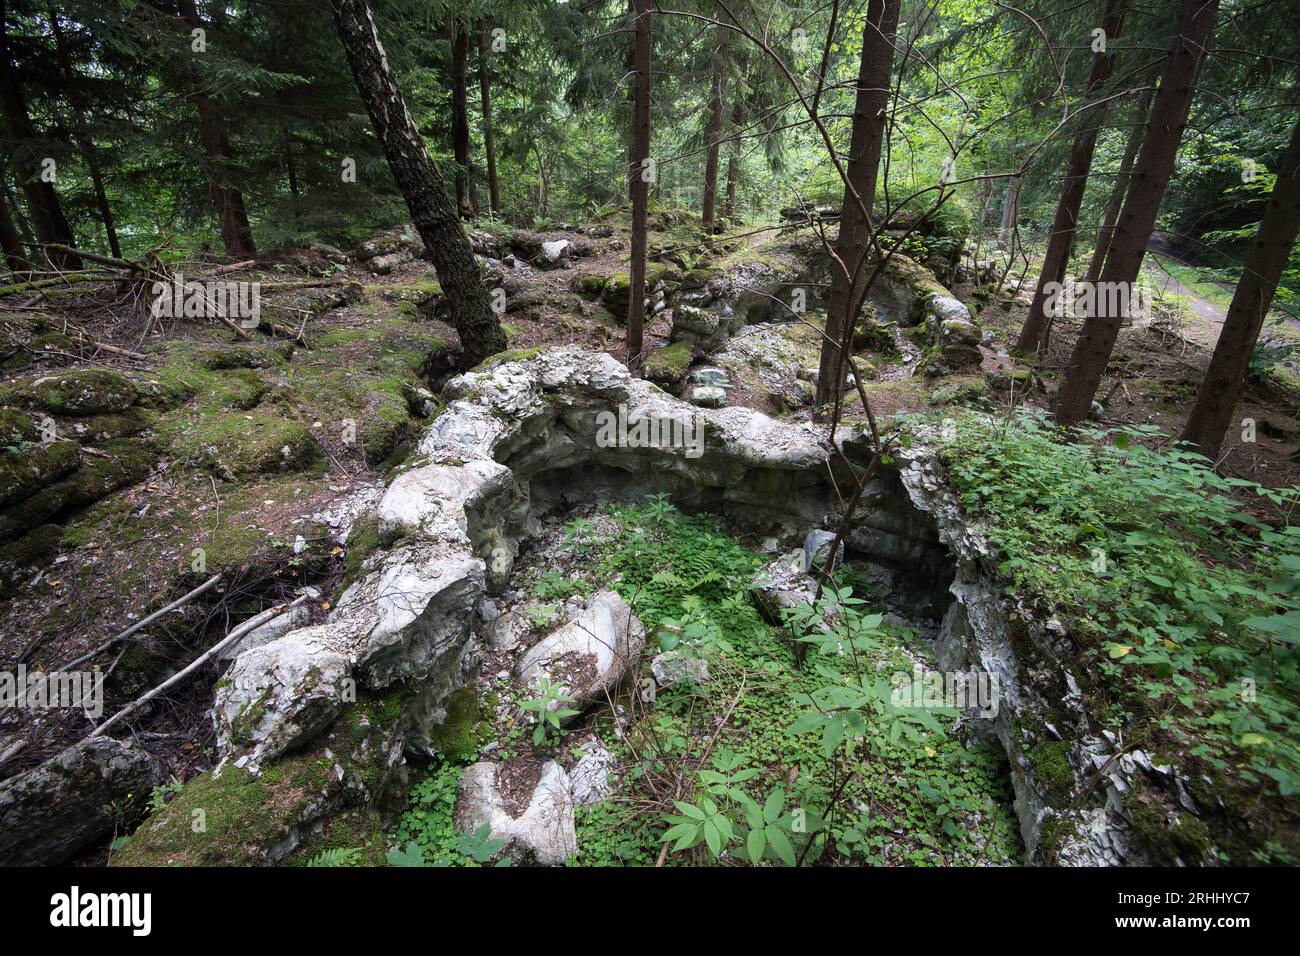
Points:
(674, 667)
(709, 396)
(817, 548)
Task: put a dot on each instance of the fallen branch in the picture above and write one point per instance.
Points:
(145, 622)
(197, 663)
(35, 284)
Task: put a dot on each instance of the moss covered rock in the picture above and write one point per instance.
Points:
(28, 466)
(117, 463)
(666, 366)
(962, 392)
(74, 392)
(258, 443)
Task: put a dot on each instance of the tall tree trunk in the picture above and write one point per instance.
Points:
(865, 145)
(1118, 191)
(713, 130)
(1268, 257)
(733, 157)
(81, 132)
(291, 170)
(1155, 164)
(10, 244)
(460, 120)
(227, 201)
(43, 206)
(423, 189)
(489, 146)
(1010, 211)
(16, 210)
(1065, 222)
(638, 182)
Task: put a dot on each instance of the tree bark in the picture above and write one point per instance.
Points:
(460, 120)
(865, 146)
(43, 206)
(1065, 222)
(489, 146)
(733, 157)
(1010, 211)
(638, 181)
(1155, 164)
(81, 131)
(1117, 192)
(10, 244)
(713, 130)
(423, 189)
(1265, 263)
(227, 201)
(291, 170)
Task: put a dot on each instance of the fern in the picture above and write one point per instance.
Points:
(336, 856)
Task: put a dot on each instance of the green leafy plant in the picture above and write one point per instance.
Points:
(336, 856)
(703, 822)
(550, 710)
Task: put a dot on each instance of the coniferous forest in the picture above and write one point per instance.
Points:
(650, 434)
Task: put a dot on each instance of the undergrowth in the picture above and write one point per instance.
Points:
(1182, 586)
(737, 769)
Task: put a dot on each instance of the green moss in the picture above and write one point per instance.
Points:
(121, 462)
(361, 831)
(30, 466)
(1182, 838)
(17, 556)
(966, 391)
(230, 820)
(1053, 834)
(667, 366)
(363, 541)
(73, 392)
(510, 355)
(873, 335)
(1051, 760)
(589, 285)
(455, 737)
(15, 428)
(93, 429)
(256, 443)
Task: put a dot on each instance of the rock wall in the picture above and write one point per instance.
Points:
(518, 437)
(1072, 784)
(528, 433)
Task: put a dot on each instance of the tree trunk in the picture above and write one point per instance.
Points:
(1117, 192)
(10, 244)
(423, 189)
(81, 132)
(865, 145)
(1065, 222)
(638, 181)
(227, 201)
(460, 120)
(1010, 212)
(43, 206)
(1268, 257)
(489, 147)
(291, 170)
(16, 211)
(1155, 164)
(733, 157)
(713, 130)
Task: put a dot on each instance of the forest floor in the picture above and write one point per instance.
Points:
(249, 456)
